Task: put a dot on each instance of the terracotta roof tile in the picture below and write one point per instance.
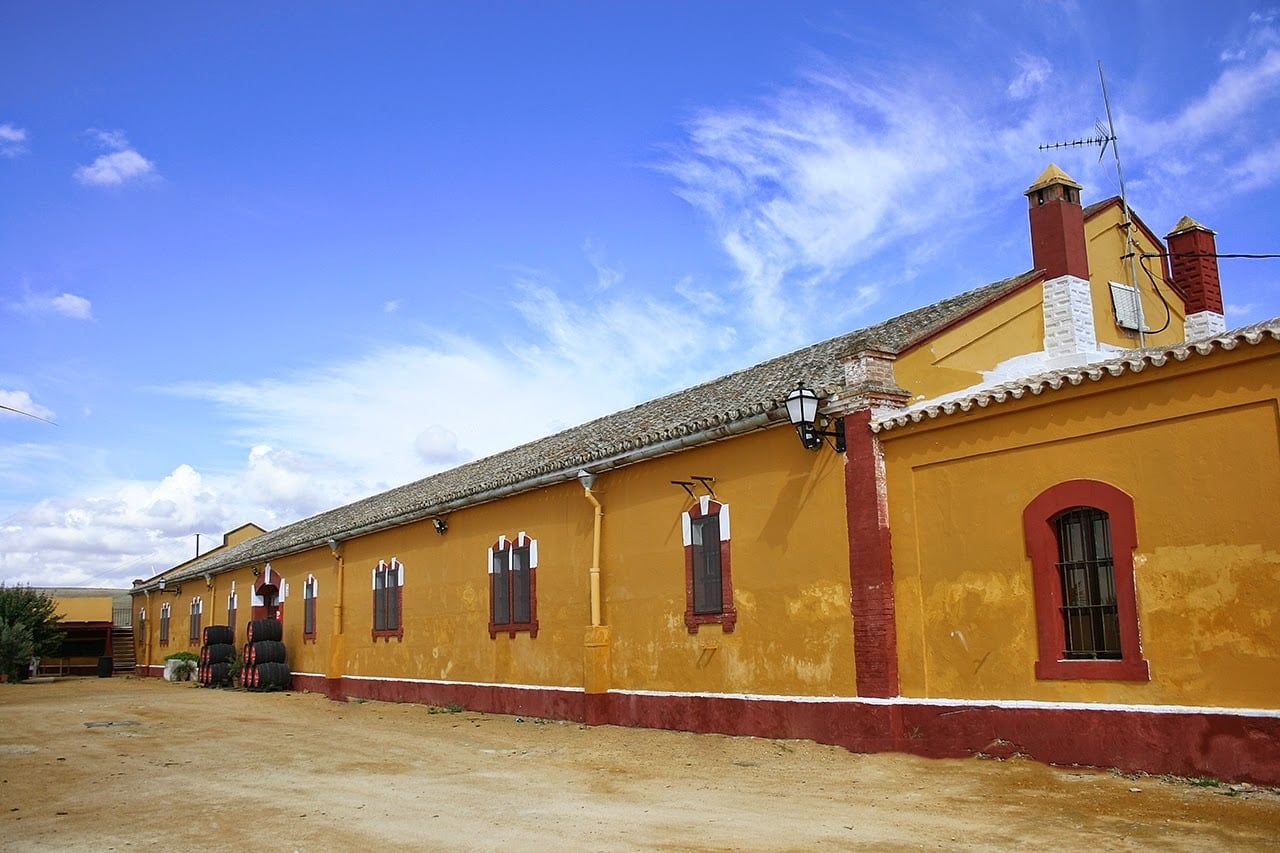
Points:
(1132, 361)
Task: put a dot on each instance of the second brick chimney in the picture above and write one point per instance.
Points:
(1193, 256)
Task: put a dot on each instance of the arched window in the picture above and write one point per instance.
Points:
(141, 634)
(708, 580)
(233, 602)
(197, 608)
(309, 608)
(164, 623)
(513, 586)
(388, 589)
(1080, 536)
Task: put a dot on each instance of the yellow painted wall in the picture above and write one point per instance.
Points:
(957, 357)
(1197, 445)
(790, 568)
(784, 501)
(243, 533)
(789, 564)
(85, 609)
(1105, 239)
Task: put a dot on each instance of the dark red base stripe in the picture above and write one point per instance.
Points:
(1219, 745)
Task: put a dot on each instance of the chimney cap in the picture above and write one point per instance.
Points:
(1186, 223)
(1051, 176)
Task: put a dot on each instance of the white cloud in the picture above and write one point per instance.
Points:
(122, 164)
(68, 305)
(1033, 71)
(391, 306)
(75, 307)
(111, 170)
(22, 402)
(111, 534)
(13, 140)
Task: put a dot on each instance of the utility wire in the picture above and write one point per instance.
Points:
(1205, 255)
(28, 414)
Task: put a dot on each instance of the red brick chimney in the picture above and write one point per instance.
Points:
(1192, 255)
(1057, 225)
(1058, 247)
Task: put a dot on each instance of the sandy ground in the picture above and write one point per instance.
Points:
(180, 767)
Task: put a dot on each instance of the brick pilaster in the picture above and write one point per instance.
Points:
(875, 640)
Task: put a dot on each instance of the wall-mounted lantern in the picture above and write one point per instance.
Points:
(802, 411)
(440, 525)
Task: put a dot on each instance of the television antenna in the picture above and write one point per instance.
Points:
(1106, 135)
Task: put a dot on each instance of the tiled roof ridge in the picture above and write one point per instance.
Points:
(1132, 361)
(744, 399)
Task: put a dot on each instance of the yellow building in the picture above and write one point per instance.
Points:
(97, 636)
(893, 579)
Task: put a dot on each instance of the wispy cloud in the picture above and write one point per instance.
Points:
(15, 404)
(13, 140)
(1207, 150)
(1033, 72)
(607, 275)
(403, 411)
(122, 164)
(804, 186)
(67, 305)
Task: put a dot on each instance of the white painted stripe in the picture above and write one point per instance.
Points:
(464, 683)
(1015, 704)
(1030, 704)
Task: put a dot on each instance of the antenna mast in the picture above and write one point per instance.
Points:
(1107, 136)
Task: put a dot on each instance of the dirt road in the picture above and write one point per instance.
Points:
(124, 763)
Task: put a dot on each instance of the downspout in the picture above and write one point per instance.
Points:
(588, 480)
(338, 641)
(597, 667)
(146, 636)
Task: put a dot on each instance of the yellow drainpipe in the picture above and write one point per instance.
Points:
(338, 641)
(587, 482)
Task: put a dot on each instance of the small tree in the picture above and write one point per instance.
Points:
(28, 628)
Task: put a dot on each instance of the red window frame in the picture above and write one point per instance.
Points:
(1039, 523)
(388, 597)
(695, 557)
(309, 609)
(504, 585)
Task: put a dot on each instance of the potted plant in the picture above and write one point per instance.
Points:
(180, 666)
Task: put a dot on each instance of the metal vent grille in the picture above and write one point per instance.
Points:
(1124, 300)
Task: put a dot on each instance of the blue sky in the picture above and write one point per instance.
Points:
(261, 259)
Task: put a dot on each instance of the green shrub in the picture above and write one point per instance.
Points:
(28, 628)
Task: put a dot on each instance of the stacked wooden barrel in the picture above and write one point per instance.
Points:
(264, 661)
(216, 656)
